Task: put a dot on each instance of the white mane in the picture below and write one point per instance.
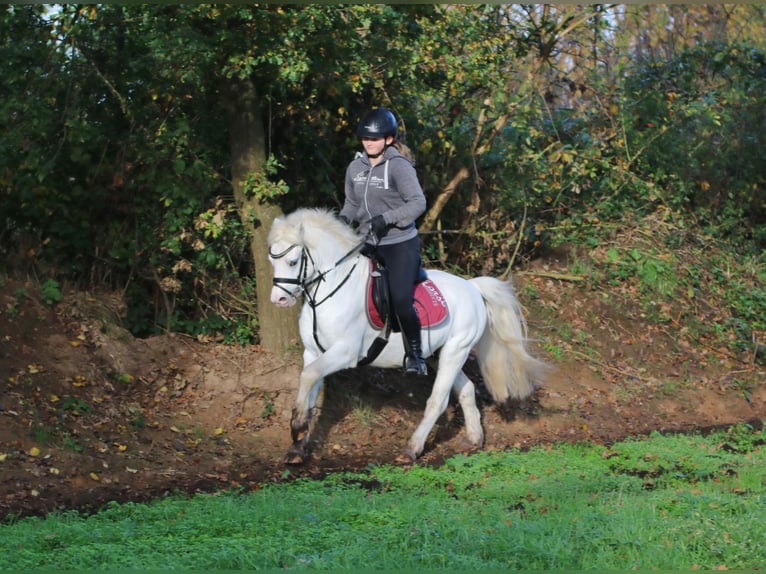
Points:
(315, 228)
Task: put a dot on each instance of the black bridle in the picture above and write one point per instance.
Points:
(304, 282)
(300, 280)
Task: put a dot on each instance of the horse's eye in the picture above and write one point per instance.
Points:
(293, 262)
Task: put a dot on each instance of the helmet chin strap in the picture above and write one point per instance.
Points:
(386, 145)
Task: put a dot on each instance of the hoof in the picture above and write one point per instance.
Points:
(465, 446)
(294, 457)
(405, 457)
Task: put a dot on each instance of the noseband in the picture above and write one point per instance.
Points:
(300, 280)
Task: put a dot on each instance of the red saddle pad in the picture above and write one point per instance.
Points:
(429, 303)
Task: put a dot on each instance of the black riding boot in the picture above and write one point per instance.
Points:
(414, 363)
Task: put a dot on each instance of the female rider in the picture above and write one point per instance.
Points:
(383, 192)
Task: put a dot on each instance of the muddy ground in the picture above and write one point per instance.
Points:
(89, 414)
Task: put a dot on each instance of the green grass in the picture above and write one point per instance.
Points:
(666, 502)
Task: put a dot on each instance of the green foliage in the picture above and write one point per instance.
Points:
(653, 272)
(76, 406)
(268, 405)
(744, 292)
(697, 120)
(671, 273)
(123, 378)
(71, 443)
(42, 434)
(260, 185)
(138, 420)
(665, 503)
(115, 160)
(50, 291)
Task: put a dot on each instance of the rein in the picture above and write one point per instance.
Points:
(304, 283)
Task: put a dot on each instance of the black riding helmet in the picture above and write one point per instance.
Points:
(379, 123)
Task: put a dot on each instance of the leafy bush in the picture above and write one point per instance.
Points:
(698, 122)
(120, 174)
(50, 292)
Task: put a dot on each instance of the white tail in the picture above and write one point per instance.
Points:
(509, 371)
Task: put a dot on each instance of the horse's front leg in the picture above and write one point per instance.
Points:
(312, 377)
(300, 422)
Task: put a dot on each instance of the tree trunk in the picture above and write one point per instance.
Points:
(278, 328)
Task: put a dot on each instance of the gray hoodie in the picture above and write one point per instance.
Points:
(390, 188)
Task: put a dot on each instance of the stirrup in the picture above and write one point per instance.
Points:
(414, 365)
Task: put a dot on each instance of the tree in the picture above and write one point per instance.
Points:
(279, 329)
(152, 146)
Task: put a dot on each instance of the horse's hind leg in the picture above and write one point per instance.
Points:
(465, 391)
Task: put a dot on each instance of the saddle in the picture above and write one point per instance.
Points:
(429, 303)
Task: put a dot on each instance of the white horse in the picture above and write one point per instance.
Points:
(316, 255)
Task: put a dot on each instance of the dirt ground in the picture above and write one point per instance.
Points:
(89, 414)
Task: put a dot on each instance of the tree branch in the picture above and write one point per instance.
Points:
(463, 173)
(123, 103)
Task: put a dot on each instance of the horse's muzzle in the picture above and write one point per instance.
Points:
(283, 298)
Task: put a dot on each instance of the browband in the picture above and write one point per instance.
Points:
(283, 253)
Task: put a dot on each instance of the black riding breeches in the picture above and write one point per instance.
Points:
(402, 261)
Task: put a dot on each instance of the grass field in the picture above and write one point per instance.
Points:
(664, 502)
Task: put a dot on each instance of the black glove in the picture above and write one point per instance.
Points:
(368, 250)
(378, 226)
(344, 219)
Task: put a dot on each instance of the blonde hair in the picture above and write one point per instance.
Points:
(402, 148)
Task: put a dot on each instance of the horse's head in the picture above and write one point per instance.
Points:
(290, 267)
(300, 246)
(288, 259)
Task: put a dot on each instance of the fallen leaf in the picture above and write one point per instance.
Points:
(94, 476)
(3, 456)
(79, 381)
